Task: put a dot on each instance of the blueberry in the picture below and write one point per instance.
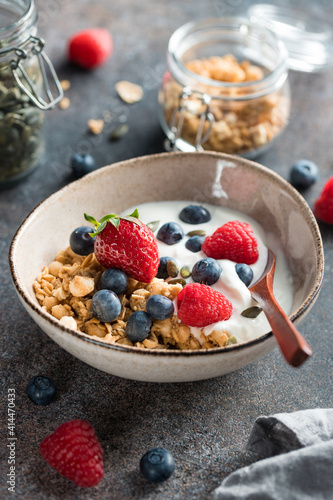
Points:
(195, 214)
(206, 271)
(162, 271)
(170, 233)
(157, 465)
(41, 390)
(138, 326)
(81, 242)
(115, 280)
(106, 306)
(245, 273)
(160, 307)
(194, 243)
(303, 174)
(82, 164)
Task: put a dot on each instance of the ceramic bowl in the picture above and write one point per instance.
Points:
(215, 178)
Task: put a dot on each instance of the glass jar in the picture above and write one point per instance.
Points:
(27, 84)
(226, 88)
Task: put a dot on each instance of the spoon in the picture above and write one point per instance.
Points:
(294, 347)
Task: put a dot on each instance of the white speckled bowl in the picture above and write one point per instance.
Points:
(202, 177)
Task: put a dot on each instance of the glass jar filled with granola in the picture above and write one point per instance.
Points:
(226, 88)
(28, 86)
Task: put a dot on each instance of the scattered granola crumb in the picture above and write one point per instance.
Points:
(65, 84)
(95, 126)
(64, 103)
(129, 92)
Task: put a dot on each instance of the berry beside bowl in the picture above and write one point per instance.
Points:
(202, 179)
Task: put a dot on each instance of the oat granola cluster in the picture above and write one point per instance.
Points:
(238, 126)
(65, 289)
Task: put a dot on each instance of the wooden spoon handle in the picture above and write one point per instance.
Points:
(293, 346)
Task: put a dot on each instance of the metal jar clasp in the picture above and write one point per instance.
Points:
(177, 120)
(49, 76)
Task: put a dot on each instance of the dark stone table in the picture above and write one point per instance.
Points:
(204, 424)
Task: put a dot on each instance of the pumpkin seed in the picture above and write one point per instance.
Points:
(251, 312)
(20, 125)
(197, 232)
(32, 116)
(153, 225)
(177, 280)
(119, 132)
(231, 340)
(172, 269)
(185, 272)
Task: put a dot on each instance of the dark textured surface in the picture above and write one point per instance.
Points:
(204, 424)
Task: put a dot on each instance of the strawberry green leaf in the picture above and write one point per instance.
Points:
(115, 221)
(135, 214)
(132, 219)
(99, 229)
(108, 217)
(91, 219)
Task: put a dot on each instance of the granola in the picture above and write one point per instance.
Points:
(65, 288)
(240, 124)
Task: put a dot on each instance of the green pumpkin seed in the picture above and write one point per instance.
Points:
(153, 225)
(32, 117)
(119, 132)
(20, 125)
(185, 272)
(177, 280)
(26, 133)
(251, 312)
(172, 269)
(196, 232)
(231, 340)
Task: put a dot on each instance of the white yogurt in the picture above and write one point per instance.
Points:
(229, 284)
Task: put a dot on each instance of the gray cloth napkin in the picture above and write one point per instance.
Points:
(300, 467)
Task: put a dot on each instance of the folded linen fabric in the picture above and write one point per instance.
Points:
(300, 464)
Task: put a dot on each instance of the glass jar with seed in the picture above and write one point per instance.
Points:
(28, 86)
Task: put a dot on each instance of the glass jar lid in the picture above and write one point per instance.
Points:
(308, 38)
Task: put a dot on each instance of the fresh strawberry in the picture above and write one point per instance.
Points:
(74, 451)
(126, 243)
(234, 241)
(200, 305)
(90, 48)
(323, 207)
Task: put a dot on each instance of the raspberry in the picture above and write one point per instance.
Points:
(200, 305)
(90, 48)
(234, 241)
(323, 207)
(75, 452)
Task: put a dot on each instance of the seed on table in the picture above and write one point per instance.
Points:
(119, 132)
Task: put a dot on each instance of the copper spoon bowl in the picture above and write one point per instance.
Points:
(294, 347)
